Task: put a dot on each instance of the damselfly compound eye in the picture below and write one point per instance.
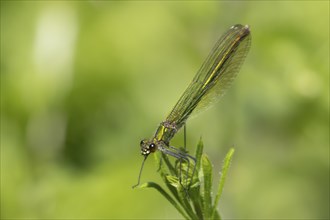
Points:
(152, 147)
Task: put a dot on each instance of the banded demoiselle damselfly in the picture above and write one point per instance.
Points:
(211, 81)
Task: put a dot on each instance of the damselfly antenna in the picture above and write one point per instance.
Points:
(138, 183)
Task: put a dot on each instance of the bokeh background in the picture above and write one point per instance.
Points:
(82, 82)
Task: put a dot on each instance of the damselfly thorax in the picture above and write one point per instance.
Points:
(161, 139)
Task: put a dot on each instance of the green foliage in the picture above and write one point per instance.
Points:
(192, 191)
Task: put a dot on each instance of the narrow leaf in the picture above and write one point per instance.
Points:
(196, 200)
(185, 201)
(166, 195)
(225, 167)
(207, 171)
(199, 152)
(216, 215)
(170, 167)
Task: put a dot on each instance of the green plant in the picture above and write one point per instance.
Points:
(192, 191)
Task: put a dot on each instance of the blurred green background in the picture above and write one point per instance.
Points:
(83, 82)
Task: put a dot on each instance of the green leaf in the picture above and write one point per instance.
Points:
(166, 195)
(173, 180)
(207, 171)
(224, 171)
(170, 167)
(185, 202)
(196, 185)
(180, 193)
(216, 215)
(197, 201)
(164, 166)
(199, 152)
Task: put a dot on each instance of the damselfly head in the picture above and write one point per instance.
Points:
(147, 147)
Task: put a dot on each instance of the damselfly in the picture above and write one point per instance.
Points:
(211, 81)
